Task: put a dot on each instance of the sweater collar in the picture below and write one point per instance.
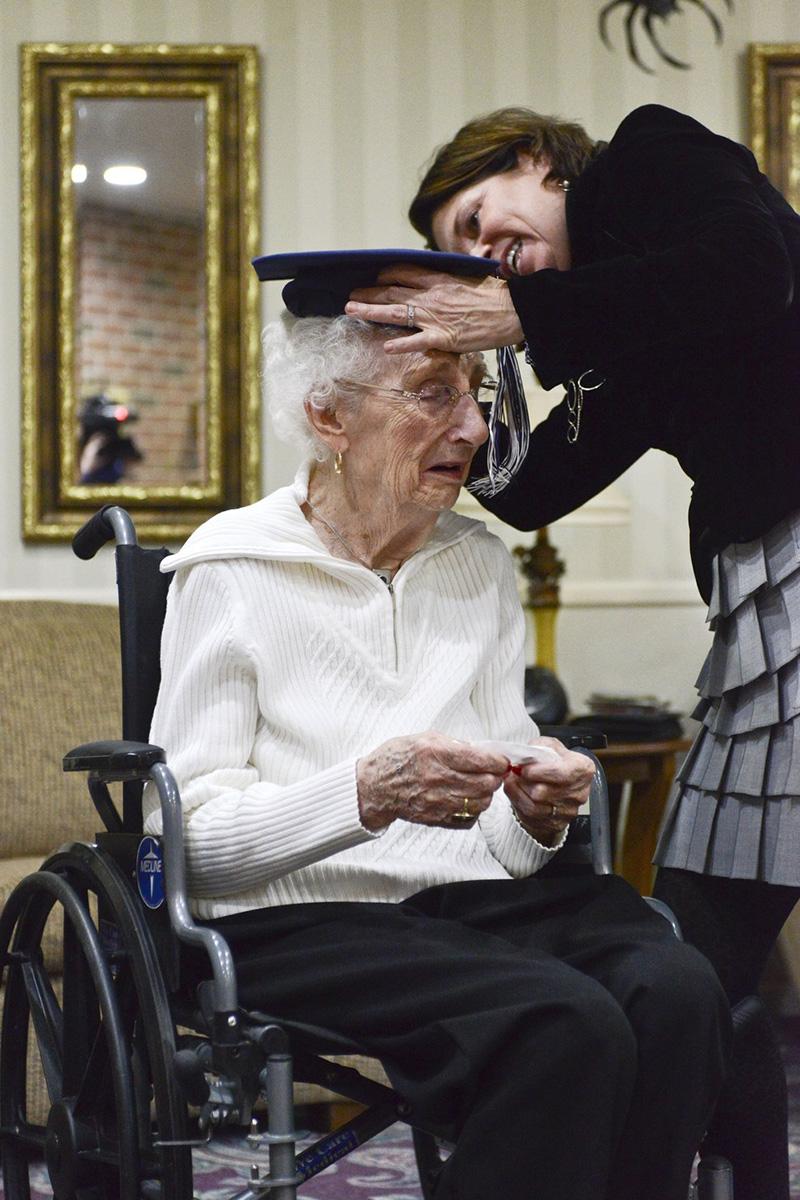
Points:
(274, 529)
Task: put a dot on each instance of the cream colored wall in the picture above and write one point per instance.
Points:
(355, 94)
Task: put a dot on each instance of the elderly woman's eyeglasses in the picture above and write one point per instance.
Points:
(437, 399)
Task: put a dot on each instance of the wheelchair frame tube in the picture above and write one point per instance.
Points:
(224, 992)
(599, 821)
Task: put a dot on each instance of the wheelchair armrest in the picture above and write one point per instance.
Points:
(108, 762)
(114, 760)
(574, 736)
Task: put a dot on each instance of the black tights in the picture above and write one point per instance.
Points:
(735, 923)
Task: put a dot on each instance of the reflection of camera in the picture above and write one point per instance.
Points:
(103, 425)
(101, 415)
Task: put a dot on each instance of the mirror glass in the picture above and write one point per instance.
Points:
(140, 307)
(140, 291)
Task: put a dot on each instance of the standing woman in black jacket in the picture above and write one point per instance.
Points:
(654, 277)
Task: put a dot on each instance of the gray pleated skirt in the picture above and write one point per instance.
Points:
(735, 809)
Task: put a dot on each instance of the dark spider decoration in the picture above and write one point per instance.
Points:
(647, 10)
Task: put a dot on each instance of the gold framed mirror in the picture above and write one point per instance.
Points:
(775, 115)
(140, 323)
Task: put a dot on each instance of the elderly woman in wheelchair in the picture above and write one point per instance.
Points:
(341, 705)
(371, 830)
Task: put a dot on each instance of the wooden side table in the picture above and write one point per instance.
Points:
(649, 767)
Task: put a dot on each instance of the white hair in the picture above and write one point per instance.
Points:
(305, 360)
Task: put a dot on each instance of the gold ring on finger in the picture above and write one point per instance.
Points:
(464, 814)
(554, 811)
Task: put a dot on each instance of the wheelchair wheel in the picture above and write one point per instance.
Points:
(104, 1045)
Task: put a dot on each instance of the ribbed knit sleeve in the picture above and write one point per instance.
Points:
(241, 830)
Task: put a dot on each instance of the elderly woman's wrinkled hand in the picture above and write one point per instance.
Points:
(429, 779)
(546, 796)
(449, 312)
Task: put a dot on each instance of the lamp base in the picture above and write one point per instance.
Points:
(545, 698)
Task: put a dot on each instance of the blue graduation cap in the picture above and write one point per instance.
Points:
(319, 285)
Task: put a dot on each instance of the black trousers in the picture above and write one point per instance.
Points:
(555, 1025)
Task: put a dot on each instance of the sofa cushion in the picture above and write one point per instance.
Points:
(59, 687)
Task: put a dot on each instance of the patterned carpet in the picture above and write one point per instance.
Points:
(384, 1169)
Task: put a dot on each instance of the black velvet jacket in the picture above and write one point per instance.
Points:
(681, 297)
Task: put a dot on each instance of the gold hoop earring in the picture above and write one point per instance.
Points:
(337, 462)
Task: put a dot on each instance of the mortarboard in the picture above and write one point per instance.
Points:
(319, 285)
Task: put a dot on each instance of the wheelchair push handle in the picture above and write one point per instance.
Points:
(110, 523)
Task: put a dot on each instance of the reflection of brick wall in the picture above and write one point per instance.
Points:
(140, 333)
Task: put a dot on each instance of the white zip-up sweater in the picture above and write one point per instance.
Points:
(282, 665)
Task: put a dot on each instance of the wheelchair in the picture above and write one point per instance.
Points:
(126, 1051)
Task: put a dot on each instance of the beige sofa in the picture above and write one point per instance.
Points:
(59, 687)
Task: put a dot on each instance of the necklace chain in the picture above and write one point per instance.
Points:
(338, 536)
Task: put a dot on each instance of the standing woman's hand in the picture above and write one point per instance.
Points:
(447, 312)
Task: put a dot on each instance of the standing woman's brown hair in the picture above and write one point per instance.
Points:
(489, 145)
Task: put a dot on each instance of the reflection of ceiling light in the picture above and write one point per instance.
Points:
(125, 176)
(79, 173)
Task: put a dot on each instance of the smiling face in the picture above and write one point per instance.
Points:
(404, 461)
(515, 217)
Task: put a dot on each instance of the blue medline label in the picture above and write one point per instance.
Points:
(150, 872)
